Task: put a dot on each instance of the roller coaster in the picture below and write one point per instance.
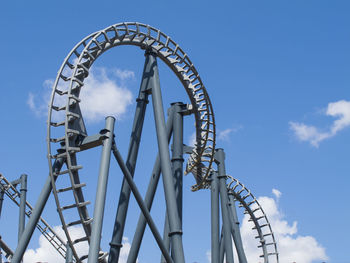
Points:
(67, 137)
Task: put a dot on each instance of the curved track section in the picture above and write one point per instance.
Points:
(257, 215)
(66, 126)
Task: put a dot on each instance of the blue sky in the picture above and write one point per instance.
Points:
(277, 73)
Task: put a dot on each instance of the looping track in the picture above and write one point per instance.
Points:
(257, 215)
(66, 126)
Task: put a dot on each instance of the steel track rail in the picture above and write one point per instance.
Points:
(267, 241)
(45, 229)
(66, 125)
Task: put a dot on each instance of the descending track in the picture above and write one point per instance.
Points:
(257, 215)
(45, 229)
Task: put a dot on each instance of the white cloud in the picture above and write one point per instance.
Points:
(101, 95)
(339, 110)
(224, 135)
(47, 253)
(192, 139)
(292, 247)
(124, 74)
(276, 193)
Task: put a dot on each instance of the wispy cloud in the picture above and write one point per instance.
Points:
(47, 253)
(104, 93)
(292, 247)
(224, 135)
(313, 135)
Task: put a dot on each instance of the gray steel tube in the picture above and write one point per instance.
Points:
(177, 155)
(22, 205)
(6, 248)
(69, 254)
(236, 233)
(215, 219)
(220, 157)
(177, 167)
(151, 190)
(97, 222)
(166, 238)
(142, 100)
(2, 192)
(141, 203)
(168, 181)
(37, 211)
(222, 247)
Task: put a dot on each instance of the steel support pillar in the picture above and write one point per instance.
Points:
(69, 254)
(101, 192)
(215, 218)
(220, 159)
(151, 190)
(141, 203)
(168, 181)
(142, 101)
(236, 233)
(166, 237)
(37, 211)
(2, 192)
(177, 166)
(222, 246)
(22, 206)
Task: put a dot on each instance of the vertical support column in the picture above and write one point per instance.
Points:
(69, 254)
(177, 154)
(215, 218)
(151, 190)
(177, 166)
(235, 230)
(142, 101)
(168, 181)
(2, 192)
(37, 211)
(22, 206)
(101, 192)
(220, 159)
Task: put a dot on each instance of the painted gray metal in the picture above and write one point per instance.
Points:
(35, 216)
(71, 76)
(2, 192)
(101, 191)
(215, 218)
(175, 229)
(220, 159)
(45, 229)
(141, 203)
(151, 190)
(69, 254)
(6, 248)
(22, 206)
(260, 223)
(236, 233)
(135, 138)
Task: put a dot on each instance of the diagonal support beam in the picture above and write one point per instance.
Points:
(141, 203)
(151, 190)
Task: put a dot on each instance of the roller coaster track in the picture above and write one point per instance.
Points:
(45, 229)
(247, 200)
(66, 128)
(69, 82)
